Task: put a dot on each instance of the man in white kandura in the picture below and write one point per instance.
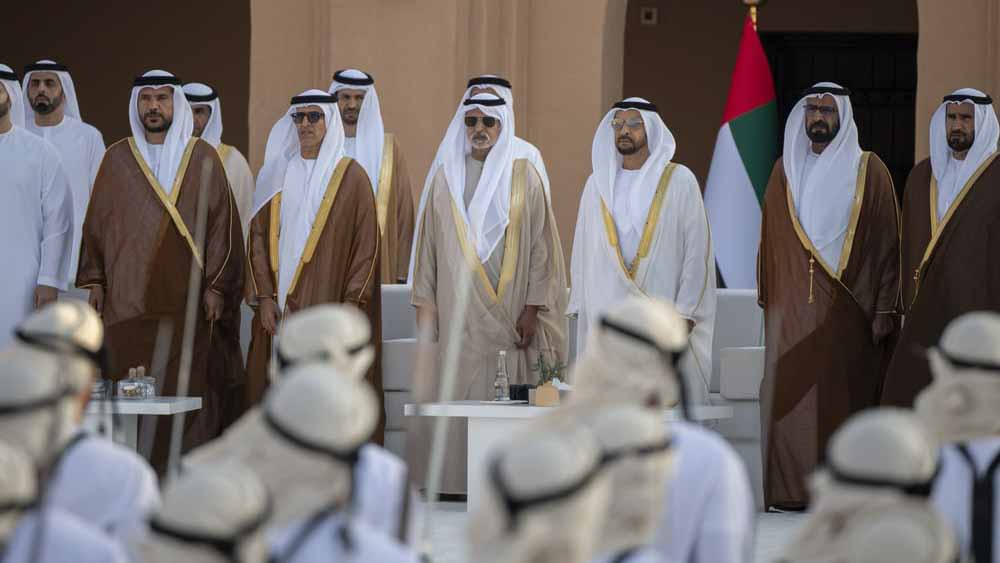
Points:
(10, 82)
(960, 407)
(642, 230)
(543, 478)
(637, 457)
(59, 350)
(36, 220)
(366, 140)
(206, 109)
(55, 116)
(23, 524)
(214, 514)
(631, 358)
(304, 443)
(339, 336)
(870, 503)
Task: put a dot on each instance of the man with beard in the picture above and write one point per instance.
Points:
(379, 153)
(487, 212)
(828, 283)
(950, 206)
(139, 246)
(227, 352)
(49, 90)
(642, 231)
(206, 109)
(36, 220)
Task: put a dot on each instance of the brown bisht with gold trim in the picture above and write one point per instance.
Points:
(138, 244)
(394, 202)
(950, 268)
(338, 265)
(829, 327)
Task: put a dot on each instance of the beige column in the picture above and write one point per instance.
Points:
(959, 47)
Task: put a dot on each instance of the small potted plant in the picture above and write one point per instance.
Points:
(546, 394)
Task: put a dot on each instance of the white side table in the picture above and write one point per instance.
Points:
(490, 424)
(128, 411)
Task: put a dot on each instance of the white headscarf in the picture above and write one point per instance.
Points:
(71, 105)
(178, 134)
(984, 145)
(607, 161)
(371, 130)
(199, 94)
(8, 79)
(282, 147)
(824, 203)
(488, 214)
(224, 503)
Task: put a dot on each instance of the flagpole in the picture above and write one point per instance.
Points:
(753, 5)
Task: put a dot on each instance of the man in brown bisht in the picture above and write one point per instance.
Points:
(487, 212)
(379, 153)
(314, 233)
(828, 283)
(139, 244)
(950, 224)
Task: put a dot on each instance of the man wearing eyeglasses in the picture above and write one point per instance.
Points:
(314, 234)
(642, 230)
(828, 280)
(487, 211)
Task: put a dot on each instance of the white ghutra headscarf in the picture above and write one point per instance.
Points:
(71, 104)
(488, 214)
(823, 203)
(8, 80)
(282, 147)
(177, 136)
(199, 94)
(371, 131)
(984, 144)
(607, 161)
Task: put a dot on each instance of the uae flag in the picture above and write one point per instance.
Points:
(745, 151)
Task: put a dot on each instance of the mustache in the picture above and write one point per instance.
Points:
(480, 137)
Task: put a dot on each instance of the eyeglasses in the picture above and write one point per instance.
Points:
(633, 123)
(825, 111)
(488, 122)
(313, 116)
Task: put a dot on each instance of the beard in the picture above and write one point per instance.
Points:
(163, 126)
(480, 141)
(45, 106)
(960, 141)
(350, 117)
(628, 145)
(820, 132)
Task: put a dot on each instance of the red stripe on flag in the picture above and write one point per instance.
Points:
(752, 85)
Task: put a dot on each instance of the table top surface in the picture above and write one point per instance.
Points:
(480, 409)
(158, 406)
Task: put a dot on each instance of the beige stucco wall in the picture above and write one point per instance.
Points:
(959, 47)
(567, 61)
(563, 56)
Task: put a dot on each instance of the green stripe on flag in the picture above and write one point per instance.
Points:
(758, 156)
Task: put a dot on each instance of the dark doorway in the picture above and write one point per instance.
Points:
(879, 69)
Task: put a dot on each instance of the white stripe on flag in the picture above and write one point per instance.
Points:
(733, 213)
